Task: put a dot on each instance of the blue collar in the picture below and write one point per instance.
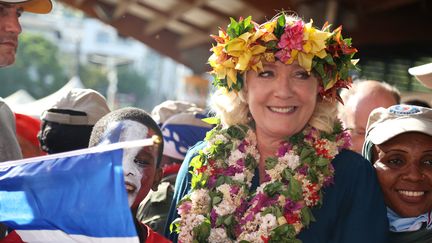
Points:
(399, 224)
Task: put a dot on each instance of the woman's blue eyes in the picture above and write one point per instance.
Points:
(298, 74)
(265, 74)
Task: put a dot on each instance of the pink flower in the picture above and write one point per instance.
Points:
(291, 39)
(184, 208)
(283, 149)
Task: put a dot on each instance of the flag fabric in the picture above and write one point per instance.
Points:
(76, 196)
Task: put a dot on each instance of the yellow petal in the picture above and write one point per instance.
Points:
(235, 47)
(269, 57)
(307, 47)
(305, 60)
(231, 77)
(258, 49)
(243, 62)
(321, 54)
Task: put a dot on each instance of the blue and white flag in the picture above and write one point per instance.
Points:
(76, 196)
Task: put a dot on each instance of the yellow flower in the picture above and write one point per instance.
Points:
(267, 31)
(315, 44)
(224, 69)
(244, 47)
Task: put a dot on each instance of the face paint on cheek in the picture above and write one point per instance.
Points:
(133, 173)
(380, 166)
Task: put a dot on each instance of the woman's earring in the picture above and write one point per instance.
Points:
(249, 117)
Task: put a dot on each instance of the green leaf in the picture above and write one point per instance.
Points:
(287, 174)
(306, 214)
(322, 161)
(273, 188)
(237, 132)
(220, 181)
(201, 232)
(211, 120)
(196, 162)
(295, 190)
(250, 162)
(216, 200)
(228, 220)
(306, 152)
(270, 163)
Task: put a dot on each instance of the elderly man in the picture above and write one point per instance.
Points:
(10, 28)
(360, 100)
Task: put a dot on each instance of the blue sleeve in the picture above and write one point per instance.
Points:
(182, 187)
(353, 208)
(365, 211)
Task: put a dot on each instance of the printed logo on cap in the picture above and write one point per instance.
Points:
(404, 109)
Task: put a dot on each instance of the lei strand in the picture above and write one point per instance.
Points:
(221, 206)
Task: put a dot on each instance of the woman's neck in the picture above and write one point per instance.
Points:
(267, 145)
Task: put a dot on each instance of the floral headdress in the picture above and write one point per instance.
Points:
(245, 45)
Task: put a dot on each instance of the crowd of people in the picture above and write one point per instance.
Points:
(291, 149)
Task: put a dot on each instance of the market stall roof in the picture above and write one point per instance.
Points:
(180, 29)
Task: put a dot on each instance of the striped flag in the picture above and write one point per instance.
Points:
(76, 196)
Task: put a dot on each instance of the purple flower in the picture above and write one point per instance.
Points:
(291, 205)
(213, 217)
(345, 137)
(242, 146)
(303, 170)
(232, 170)
(283, 149)
(241, 162)
(211, 182)
(267, 177)
(234, 189)
(184, 208)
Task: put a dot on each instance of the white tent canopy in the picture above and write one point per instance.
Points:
(37, 107)
(19, 98)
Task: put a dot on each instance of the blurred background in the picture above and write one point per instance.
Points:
(143, 52)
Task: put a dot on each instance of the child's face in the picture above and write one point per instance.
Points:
(139, 164)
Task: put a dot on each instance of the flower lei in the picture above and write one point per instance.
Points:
(221, 206)
(245, 44)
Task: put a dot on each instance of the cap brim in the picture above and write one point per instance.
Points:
(33, 6)
(423, 74)
(389, 129)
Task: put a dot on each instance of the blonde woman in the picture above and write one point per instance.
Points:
(275, 168)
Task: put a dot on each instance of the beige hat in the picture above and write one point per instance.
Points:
(423, 74)
(168, 108)
(385, 124)
(84, 100)
(32, 6)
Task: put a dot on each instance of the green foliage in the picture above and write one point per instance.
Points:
(270, 163)
(36, 68)
(235, 29)
(273, 188)
(280, 26)
(284, 233)
(202, 231)
(133, 83)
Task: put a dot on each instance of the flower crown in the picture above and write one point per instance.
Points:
(245, 44)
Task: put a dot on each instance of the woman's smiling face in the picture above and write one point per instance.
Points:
(281, 98)
(404, 169)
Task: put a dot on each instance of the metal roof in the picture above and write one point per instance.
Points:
(180, 29)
